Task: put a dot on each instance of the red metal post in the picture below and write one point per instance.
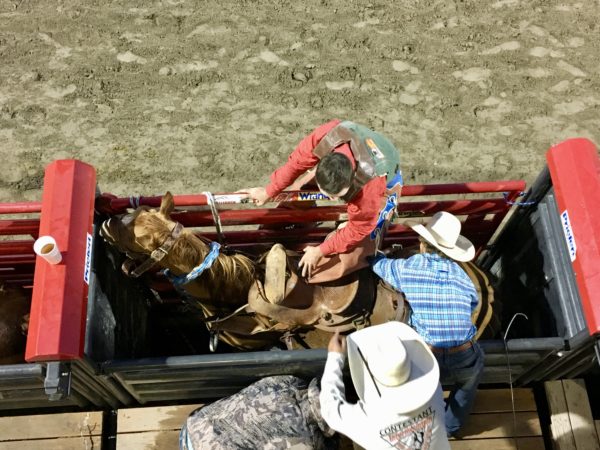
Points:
(575, 170)
(59, 297)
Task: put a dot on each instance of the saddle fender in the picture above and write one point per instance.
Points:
(330, 306)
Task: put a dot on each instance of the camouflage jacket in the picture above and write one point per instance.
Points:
(274, 413)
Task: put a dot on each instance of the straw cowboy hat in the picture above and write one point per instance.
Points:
(391, 366)
(443, 232)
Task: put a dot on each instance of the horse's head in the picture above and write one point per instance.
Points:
(150, 237)
(145, 232)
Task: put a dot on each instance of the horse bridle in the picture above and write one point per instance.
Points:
(157, 254)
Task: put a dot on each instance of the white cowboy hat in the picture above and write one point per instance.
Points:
(443, 232)
(391, 366)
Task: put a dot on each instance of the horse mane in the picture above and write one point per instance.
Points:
(228, 275)
(228, 269)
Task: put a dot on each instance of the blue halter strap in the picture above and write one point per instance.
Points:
(196, 271)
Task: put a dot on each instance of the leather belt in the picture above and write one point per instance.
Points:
(458, 348)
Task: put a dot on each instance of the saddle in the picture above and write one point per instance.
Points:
(285, 297)
(284, 303)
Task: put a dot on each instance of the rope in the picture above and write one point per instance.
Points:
(210, 199)
(512, 394)
(196, 271)
(505, 194)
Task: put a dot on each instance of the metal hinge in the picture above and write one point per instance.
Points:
(57, 383)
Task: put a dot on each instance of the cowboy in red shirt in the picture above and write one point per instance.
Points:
(354, 164)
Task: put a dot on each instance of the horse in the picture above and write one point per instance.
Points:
(252, 303)
(14, 319)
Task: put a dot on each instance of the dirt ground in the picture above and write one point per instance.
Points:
(189, 96)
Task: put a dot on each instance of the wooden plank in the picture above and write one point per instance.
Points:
(529, 443)
(499, 400)
(580, 415)
(72, 443)
(158, 427)
(501, 425)
(560, 424)
(169, 440)
(159, 418)
(149, 440)
(50, 426)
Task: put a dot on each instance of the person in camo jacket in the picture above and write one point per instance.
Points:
(273, 413)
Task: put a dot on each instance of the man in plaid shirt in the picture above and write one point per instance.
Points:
(441, 298)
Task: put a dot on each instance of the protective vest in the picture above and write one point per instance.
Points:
(374, 154)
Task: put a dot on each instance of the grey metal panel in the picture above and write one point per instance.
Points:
(101, 390)
(501, 374)
(100, 323)
(187, 395)
(24, 389)
(22, 386)
(522, 345)
(284, 360)
(533, 195)
(218, 375)
(209, 376)
(523, 359)
(562, 288)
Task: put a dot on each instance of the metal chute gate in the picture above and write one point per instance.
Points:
(99, 338)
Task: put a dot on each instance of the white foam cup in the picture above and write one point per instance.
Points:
(45, 246)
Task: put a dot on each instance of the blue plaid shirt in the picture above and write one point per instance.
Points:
(440, 293)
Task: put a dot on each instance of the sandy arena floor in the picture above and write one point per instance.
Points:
(191, 96)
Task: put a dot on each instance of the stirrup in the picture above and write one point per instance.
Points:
(275, 268)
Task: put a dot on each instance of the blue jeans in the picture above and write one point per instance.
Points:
(463, 370)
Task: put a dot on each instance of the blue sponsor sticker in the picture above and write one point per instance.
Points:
(569, 236)
(312, 196)
(88, 259)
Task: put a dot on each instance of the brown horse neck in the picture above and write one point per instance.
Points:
(186, 254)
(228, 275)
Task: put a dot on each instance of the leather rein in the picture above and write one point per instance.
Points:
(157, 255)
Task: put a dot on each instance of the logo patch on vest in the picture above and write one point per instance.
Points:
(384, 215)
(374, 149)
(412, 434)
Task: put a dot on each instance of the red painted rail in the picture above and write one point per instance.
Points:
(19, 226)
(20, 207)
(114, 205)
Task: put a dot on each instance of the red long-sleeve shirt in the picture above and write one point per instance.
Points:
(363, 209)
